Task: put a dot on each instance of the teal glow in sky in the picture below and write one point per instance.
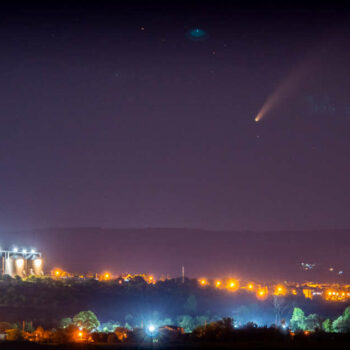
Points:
(197, 34)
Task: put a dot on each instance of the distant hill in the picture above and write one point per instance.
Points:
(247, 254)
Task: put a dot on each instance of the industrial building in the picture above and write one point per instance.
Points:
(22, 263)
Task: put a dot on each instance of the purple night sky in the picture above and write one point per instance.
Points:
(116, 115)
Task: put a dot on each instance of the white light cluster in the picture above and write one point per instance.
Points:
(24, 250)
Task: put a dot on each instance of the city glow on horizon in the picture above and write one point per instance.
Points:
(262, 291)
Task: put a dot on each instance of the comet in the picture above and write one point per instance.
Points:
(283, 91)
(287, 87)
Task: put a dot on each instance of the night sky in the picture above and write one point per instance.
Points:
(141, 114)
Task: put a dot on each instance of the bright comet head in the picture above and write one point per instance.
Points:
(258, 117)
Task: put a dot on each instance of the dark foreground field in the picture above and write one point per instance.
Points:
(305, 344)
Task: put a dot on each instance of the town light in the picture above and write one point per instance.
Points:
(280, 290)
(262, 293)
(151, 330)
(79, 335)
(24, 251)
(15, 249)
(232, 285)
(203, 281)
(250, 286)
(218, 284)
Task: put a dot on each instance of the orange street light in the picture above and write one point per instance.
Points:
(232, 285)
(262, 293)
(56, 272)
(250, 286)
(203, 282)
(80, 335)
(280, 290)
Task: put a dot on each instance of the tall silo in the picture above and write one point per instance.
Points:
(10, 268)
(35, 265)
(21, 263)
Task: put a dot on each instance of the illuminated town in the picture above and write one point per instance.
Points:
(174, 175)
(25, 263)
(25, 267)
(309, 290)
